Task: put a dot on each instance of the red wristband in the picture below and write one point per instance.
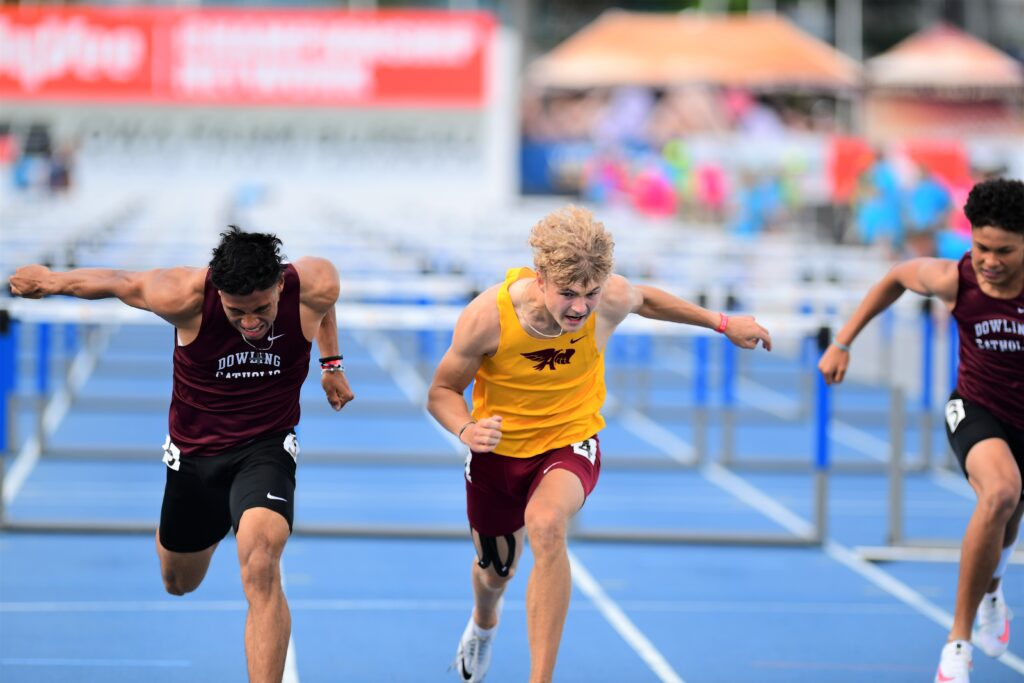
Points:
(722, 323)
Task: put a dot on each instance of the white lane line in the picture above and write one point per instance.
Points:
(386, 605)
(291, 669)
(406, 376)
(858, 440)
(783, 406)
(621, 623)
(55, 410)
(767, 400)
(757, 499)
(904, 593)
(387, 356)
(779, 405)
(24, 462)
(774, 510)
(953, 482)
(106, 663)
(763, 607)
(852, 561)
(96, 606)
(656, 435)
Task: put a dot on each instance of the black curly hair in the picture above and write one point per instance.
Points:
(245, 262)
(998, 202)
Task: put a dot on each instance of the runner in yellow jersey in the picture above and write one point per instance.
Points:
(534, 344)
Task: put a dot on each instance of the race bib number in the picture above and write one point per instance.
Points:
(955, 413)
(172, 456)
(291, 446)
(587, 449)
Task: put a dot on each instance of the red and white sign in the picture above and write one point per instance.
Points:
(247, 57)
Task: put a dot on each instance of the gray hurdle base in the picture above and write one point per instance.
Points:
(813, 536)
(898, 547)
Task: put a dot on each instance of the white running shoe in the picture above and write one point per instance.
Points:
(473, 657)
(993, 634)
(955, 664)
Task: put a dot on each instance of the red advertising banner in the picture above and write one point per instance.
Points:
(245, 57)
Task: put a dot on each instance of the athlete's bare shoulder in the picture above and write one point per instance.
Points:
(619, 298)
(479, 325)
(319, 284)
(946, 278)
(930, 276)
(175, 294)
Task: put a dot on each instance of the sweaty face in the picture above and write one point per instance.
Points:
(252, 314)
(570, 305)
(998, 256)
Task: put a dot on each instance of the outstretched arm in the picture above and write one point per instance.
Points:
(741, 330)
(476, 335)
(175, 294)
(319, 289)
(926, 276)
(622, 298)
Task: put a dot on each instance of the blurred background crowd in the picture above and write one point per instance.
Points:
(760, 122)
(855, 121)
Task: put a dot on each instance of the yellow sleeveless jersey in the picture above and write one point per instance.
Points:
(549, 392)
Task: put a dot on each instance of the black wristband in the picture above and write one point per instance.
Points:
(328, 359)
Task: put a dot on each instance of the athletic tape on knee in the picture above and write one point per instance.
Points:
(489, 554)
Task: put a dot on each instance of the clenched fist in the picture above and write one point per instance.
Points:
(484, 435)
(30, 282)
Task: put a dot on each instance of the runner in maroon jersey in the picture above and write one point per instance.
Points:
(985, 414)
(243, 331)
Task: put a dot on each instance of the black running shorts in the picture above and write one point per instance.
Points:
(206, 495)
(967, 423)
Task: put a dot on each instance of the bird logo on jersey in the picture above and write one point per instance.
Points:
(548, 358)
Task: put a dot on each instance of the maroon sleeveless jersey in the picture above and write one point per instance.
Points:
(228, 392)
(991, 348)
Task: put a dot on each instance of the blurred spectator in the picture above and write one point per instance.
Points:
(878, 218)
(878, 210)
(38, 167)
(927, 208)
(884, 177)
(8, 148)
(686, 111)
(951, 244)
(606, 177)
(928, 203)
(31, 173)
(602, 143)
(61, 170)
(759, 204)
(750, 115)
(676, 155)
(652, 190)
(711, 190)
(624, 119)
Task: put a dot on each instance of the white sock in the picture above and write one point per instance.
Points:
(484, 632)
(964, 645)
(1004, 560)
(998, 592)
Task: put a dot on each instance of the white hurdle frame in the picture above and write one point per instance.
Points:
(416, 317)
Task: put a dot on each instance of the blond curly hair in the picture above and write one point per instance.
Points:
(571, 247)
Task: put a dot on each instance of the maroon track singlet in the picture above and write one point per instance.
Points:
(228, 392)
(991, 348)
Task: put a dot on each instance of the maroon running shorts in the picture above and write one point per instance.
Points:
(499, 487)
